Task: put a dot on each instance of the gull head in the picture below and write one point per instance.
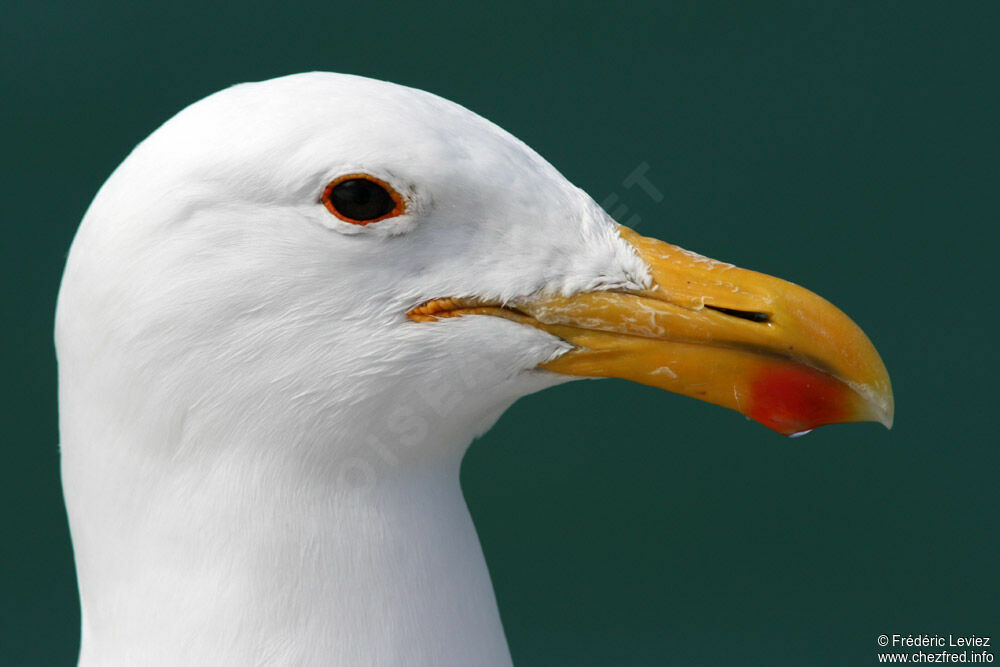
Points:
(320, 243)
(287, 314)
(215, 270)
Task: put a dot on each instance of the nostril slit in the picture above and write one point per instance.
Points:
(751, 315)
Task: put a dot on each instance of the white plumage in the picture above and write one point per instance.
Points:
(264, 400)
(260, 451)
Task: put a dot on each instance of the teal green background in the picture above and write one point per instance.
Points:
(849, 147)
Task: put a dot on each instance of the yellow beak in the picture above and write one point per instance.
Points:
(767, 348)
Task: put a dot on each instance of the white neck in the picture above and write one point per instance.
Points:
(237, 498)
(378, 565)
(282, 532)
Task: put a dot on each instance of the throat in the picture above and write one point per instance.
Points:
(231, 516)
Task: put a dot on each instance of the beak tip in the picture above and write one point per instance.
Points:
(879, 407)
(880, 401)
(887, 415)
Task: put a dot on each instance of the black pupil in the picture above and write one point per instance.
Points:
(361, 199)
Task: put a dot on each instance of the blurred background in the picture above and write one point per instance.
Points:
(848, 147)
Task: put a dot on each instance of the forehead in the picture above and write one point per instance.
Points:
(317, 121)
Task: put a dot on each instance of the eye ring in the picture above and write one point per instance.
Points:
(361, 199)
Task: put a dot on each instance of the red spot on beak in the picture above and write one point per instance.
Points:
(792, 398)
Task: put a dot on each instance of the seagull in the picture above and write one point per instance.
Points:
(289, 311)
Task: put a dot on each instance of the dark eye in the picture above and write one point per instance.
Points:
(361, 199)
